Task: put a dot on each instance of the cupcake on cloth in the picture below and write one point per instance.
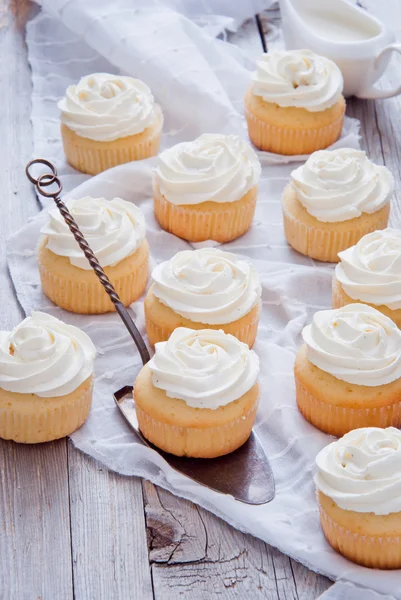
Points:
(348, 372)
(295, 103)
(198, 395)
(358, 484)
(115, 230)
(333, 200)
(108, 120)
(204, 288)
(370, 272)
(46, 378)
(206, 189)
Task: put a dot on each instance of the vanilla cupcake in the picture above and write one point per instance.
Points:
(198, 395)
(348, 372)
(295, 103)
(370, 272)
(115, 231)
(333, 200)
(358, 483)
(46, 379)
(204, 288)
(108, 120)
(206, 189)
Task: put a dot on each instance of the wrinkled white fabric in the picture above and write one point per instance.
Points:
(205, 97)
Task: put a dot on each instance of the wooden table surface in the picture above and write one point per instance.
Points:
(71, 529)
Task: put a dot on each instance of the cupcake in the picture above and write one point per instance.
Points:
(204, 288)
(198, 395)
(333, 200)
(348, 372)
(295, 103)
(370, 272)
(108, 120)
(358, 484)
(206, 189)
(115, 230)
(46, 378)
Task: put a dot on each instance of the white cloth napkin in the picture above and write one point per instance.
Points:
(200, 83)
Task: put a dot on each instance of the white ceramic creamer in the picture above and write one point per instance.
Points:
(358, 42)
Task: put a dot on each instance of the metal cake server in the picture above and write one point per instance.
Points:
(245, 473)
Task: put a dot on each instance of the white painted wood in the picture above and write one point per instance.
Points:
(109, 547)
(35, 558)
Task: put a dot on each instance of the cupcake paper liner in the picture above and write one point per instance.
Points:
(29, 419)
(92, 157)
(339, 420)
(89, 297)
(323, 244)
(379, 552)
(220, 223)
(289, 141)
(206, 442)
(157, 333)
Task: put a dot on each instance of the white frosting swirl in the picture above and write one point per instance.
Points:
(114, 230)
(362, 471)
(45, 356)
(371, 270)
(298, 78)
(207, 286)
(205, 368)
(219, 168)
(355, 343)
(338, 185)
(106, 107)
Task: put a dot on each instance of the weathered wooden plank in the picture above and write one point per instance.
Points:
(197, 555)
(109, 549)
(35, 558)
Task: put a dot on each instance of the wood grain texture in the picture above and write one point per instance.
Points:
(196, 555)
(35, 558)
(109, 549)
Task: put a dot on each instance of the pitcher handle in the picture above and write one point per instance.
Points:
(375, 93)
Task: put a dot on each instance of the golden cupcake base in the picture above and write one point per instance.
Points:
(218, 221)
(80, 291)
(365, 538)
(93, 157)
(336, 407)
(161, 321)
(179, 429)
(320, 240)
(291, 130)
(340, 298)
(30, 419)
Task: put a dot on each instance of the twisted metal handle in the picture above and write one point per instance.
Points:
(50, 179)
